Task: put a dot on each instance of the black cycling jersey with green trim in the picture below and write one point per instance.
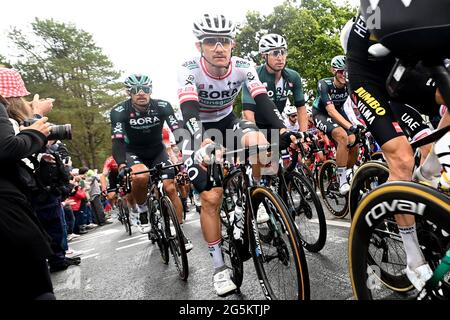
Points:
(141, 131)
(291, 86)
(328, 93)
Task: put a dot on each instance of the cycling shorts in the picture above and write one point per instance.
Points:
(325, 123)
(161, 157)
(228, 127)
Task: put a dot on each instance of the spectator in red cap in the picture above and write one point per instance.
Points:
(11, 84)
(23, 242)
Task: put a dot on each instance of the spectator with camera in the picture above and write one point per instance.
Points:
(50, 177)
(24, 244)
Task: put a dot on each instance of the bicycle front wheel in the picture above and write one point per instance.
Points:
(369, 176)
(125, 213)
(329, 188)
(307, 212)
(175, 238)
(277, 253)
(376, 252)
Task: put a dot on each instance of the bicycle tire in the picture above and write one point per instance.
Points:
(280, 218)
(230, 249)
(156, 227)
(126, 218)
(175, 241)
(304, 212)
(376, 170)
(377, 156)
(425, 203)
(327, 171)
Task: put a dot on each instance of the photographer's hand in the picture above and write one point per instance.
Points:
(40, 125)
(42, 106)
(48, 158)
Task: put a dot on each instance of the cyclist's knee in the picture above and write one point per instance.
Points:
(253, 138)
(211, 198)
(400, 159)
(169, 187)
(340, 136)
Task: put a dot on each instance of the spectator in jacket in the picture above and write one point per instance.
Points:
(24, 244)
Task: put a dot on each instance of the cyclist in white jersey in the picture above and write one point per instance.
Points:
(290, 121)
(208, 86)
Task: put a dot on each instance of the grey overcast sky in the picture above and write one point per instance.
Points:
(139, 36)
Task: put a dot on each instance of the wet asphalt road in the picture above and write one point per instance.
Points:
(116, 266)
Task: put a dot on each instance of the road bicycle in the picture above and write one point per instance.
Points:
(165, 230)
(274, 245)
(303, 204)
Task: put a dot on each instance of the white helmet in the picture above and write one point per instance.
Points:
(271, 41)
(288, 110)
(214, 25)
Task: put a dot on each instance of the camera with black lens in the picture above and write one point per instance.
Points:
(57, 132)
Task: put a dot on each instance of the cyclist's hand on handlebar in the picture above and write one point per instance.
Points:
(203, 155)
(354, 129)
(123, 170)
(362, 129)
(288, 139)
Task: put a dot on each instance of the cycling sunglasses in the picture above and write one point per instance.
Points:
(340, 71)
(137, 89)
(277, 52)
(213, 42)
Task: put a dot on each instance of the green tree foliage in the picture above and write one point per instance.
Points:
(4, 62)
(311, 30)
(60, 61)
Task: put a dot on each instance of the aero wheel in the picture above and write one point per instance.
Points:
(307, 211)
(329, 188)
(376, 252)
(277, 253)
(175, 238)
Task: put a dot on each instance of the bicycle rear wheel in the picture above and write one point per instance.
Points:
(329, 188)
(376, 254)
(278, 256)
(175, 238)
(307, 212)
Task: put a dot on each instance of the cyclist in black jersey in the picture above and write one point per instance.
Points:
(367, 76)
(330, 118)
(137, 125)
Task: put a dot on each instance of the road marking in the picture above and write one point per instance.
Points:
(95, 236)
(132, 245)
(192, 221)
(89, 256)
(137, 237)
(339, 223)
(333, 223)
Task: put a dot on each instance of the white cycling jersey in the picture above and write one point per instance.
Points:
(216, 95)
(293, 128)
